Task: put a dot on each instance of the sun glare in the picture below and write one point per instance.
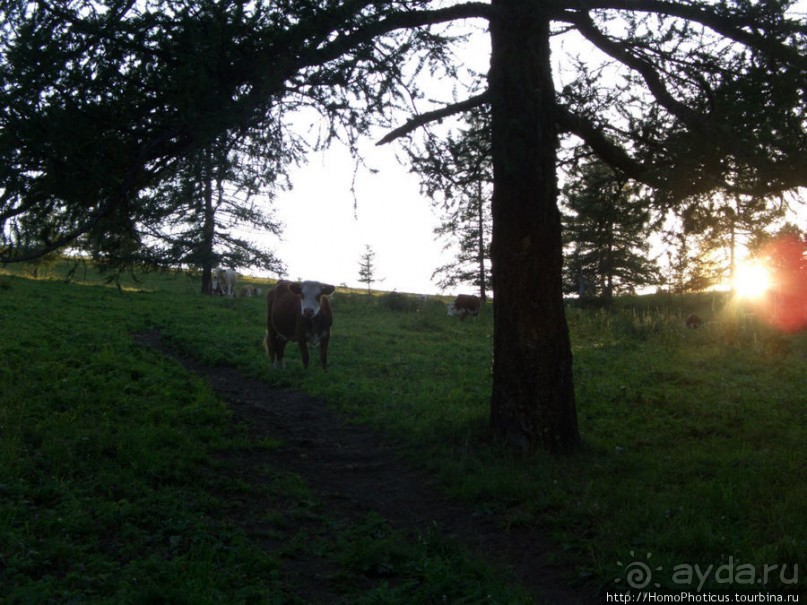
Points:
(752, 279)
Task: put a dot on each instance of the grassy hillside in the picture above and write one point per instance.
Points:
(114, 478)
(694, 439)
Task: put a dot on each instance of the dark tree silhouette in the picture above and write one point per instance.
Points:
(606, 229)
(457, 175)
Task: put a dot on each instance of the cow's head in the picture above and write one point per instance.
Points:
(451, 309)
(310, 293)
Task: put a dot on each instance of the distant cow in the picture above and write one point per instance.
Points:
(464, 305)
(223, 281)
(300, 312)
(693, 321)
(249, 291)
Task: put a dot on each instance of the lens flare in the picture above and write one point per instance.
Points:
(752, 279)
(775, 283)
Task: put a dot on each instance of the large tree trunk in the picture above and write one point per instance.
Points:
(533, 401)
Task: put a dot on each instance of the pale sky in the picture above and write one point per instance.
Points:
(324, 237)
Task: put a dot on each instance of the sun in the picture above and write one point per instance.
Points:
(752, 279)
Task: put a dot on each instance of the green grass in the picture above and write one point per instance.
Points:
(694, 442)
(114, 486)
(103, 446)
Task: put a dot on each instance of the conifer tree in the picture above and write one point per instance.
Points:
(606, 230)
(367, 268)
(457, 174)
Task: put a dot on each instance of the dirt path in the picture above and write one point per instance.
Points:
(354, 472)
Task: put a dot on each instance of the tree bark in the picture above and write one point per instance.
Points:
(533, 403)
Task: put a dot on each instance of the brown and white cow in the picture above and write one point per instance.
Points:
(464, 305)
(298, 311)
(223, 281)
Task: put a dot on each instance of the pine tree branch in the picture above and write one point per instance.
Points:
(621, 52)
(748, 29)
(611, 153)
(433, 116)
(397, 21)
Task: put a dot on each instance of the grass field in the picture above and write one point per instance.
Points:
(109, 492)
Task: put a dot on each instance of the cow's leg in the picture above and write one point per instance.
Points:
(268, 347)
(304, 352)
(275, 345)
(270, 343)
(323, 351)
(280, 349)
